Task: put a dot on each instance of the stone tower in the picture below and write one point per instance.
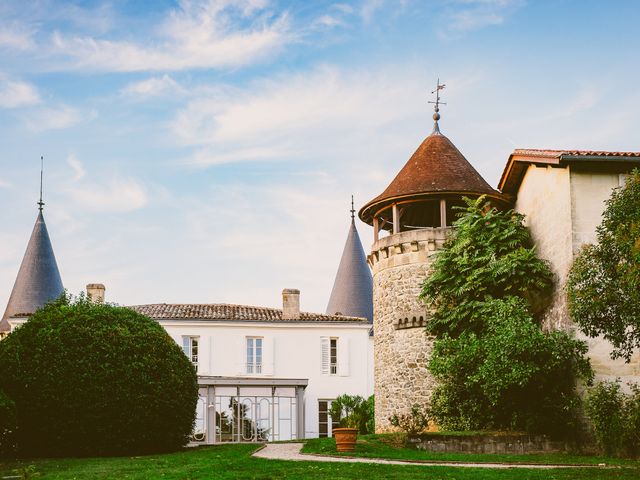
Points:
(416, 211)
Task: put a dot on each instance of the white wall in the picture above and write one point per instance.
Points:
(290, 351)
(563, 207)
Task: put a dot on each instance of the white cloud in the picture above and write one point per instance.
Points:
(369, 9)
(14, 93)
(115, 195)
(198, 34)
(76, 165)
(295, 116)
(15, 38)
(4, 183)
(152, 87)
(469, 15)
(52, 118)
(329, 21)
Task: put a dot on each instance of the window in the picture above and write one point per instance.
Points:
(329, 348)
(254, 354)
(333, 362)
(190, 349)
(326, 423)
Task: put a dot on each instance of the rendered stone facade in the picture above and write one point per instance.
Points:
(563, 207)
(401, 347)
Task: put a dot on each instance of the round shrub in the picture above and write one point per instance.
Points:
(96, 379)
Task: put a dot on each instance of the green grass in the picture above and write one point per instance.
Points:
(392, 447)
(234, 462)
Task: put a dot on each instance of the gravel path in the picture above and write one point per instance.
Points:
(291, 451)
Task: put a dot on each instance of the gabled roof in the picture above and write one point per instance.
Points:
(38, 279)
(437, 167)
(521, 158)
(233, 313)
(352, 292)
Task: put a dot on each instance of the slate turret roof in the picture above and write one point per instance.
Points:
(38, 279)
(352, 292)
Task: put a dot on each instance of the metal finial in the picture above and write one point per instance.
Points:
(353, 210)
(436, 115)
(40, 202)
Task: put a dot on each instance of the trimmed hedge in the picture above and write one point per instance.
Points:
(96, 379)
(7, 426)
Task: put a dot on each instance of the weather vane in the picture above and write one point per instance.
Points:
(40, 202)
(437, 103)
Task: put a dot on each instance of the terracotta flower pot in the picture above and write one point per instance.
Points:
(345, 439)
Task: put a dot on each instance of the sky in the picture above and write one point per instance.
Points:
(206, 151)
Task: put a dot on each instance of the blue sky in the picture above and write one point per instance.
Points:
(206, 151)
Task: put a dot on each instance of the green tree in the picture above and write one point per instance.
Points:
(495, 367)
(96, 379)
(604, 281)
(489, 255)
(512, 376)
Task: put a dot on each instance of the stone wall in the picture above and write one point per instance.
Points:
(400, 263)
(500, 444)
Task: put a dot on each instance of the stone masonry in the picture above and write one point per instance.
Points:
(400, 263)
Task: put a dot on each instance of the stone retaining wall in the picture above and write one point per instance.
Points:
(514, 444)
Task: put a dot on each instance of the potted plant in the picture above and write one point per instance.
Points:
(352, 414)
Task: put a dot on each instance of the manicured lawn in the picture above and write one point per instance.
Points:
(234, 462)
(392, 447)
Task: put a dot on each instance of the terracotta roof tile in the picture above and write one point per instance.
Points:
(521, 158)
(234, 313)
(437, 166)
(535, 152)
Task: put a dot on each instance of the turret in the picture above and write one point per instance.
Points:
(38, 280)
(417, 210)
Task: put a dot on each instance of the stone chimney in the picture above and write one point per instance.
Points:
(95, 292)
(290, 304)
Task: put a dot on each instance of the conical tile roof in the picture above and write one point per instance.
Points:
(352, 293)
(437, 167)
(38, 279)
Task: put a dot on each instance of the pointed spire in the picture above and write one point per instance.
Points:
(40, 202)
(38, 280)
(352, 292)
(437, 103)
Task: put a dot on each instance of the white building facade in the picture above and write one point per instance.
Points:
(268, 374)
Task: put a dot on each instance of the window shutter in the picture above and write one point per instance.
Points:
(343, 357)
(325, 359)
(268, 355)
(242, 354)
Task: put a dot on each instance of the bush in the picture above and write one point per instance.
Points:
(413, 423)
(7, 426)
(96, 379)
(615, 417)
(353, 411)
(515, 376)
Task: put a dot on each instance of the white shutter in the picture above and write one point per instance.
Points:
(242, 354)
(343, 357)
(325, 358)
(268, 355)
